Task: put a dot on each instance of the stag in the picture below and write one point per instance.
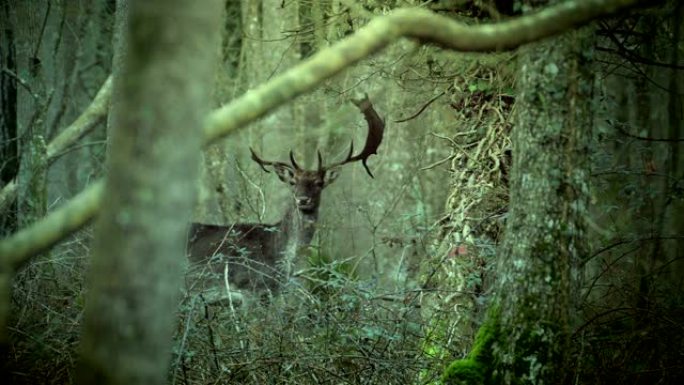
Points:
(256, 256)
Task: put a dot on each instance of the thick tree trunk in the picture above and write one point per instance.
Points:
(545, 234)
(162, 95)
(525, 336)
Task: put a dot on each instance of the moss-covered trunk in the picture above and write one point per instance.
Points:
(525, 338)
(545, 234)
(162, 92)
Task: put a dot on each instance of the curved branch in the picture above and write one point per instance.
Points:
(426, 105)
(413, 23)
(92, 115)
(42, 235)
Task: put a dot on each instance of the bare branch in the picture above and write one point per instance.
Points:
(40, 236)
(93, 114)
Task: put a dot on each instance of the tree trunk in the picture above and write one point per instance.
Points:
(9, 134)
(30, 24)
(525, 338)
(545, 235)
(162, 92)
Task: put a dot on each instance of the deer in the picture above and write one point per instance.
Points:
(258, 256)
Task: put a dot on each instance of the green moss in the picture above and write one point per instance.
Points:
(484, 339)
(465, 371)
(476, 368)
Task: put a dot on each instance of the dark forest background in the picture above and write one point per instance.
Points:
(524, 223)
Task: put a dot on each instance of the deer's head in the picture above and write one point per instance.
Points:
(307, 185)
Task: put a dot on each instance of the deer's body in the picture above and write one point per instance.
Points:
(258, 256)
(253, 251)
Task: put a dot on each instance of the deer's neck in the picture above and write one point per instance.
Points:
(295, 231)
(297, 226)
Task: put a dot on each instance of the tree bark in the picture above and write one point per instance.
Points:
(525, 338)
(9, 134)
(162, 90)
(545, 234)
(30, 24)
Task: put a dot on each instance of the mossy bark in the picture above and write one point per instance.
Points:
(545, 233)
(162, 88)
(33, 181)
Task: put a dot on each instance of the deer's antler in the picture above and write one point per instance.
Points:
(264, 163)
(376, 130)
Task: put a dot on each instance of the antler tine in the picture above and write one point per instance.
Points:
(263, 163)
(342, 162)
(320, 161)
(292, 160)
(351, 150)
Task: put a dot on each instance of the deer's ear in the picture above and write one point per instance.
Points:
(285, 174)
(330, 176)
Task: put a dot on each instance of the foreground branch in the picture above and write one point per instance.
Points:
(43, 234)
(380, 32)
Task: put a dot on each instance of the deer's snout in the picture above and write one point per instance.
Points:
(304, 202)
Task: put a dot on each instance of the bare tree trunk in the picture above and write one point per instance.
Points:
(30, 23)
(162, 90)
(9, 135)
